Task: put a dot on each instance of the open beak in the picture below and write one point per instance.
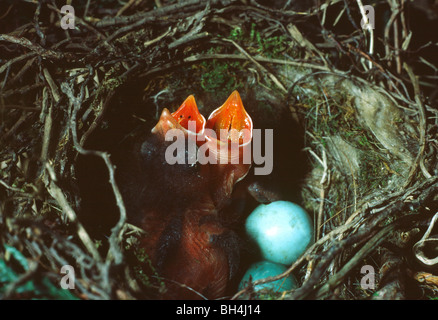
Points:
(232, 126)
(189, 117)
(186, 118)
(228, 135)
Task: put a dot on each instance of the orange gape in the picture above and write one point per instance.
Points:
(233, 130)
(189, 247)
(179, 119)
(231, 116)
(188, 111)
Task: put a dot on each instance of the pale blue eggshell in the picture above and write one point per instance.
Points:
(282, 229)
(265, 269)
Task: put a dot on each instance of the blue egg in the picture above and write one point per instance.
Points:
(281, 229)
(265, 269)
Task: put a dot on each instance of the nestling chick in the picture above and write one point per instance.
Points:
(177, 205)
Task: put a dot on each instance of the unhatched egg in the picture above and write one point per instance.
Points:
(282, 230)
(265, 269)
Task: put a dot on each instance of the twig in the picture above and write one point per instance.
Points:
(23, 70)
(19, 107)
(45, 53)
(7, 11)
(57, 194)
(87, 7)
(323, 181)
(422, 128)
(145, 17)
(16, 59)
(117, 230)
(262, 68)
(4, 184)
(52, 85)
(304, 42)
(201, 56)
(125, 7)
(47, 128)
(369, 246)
(14, 128)
(417, 247)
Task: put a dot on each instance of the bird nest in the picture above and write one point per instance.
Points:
(353, 112)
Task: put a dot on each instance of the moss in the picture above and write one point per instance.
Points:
(332, 114)
(224, 76)
(143, 270)
(220, 76)
(371, 174)
(236, 34)
(98, 243)
(257, 43)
